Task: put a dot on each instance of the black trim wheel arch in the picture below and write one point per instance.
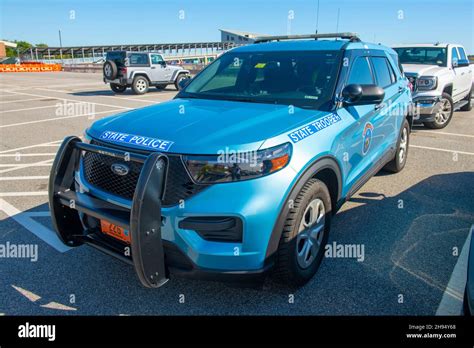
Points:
(312, 171)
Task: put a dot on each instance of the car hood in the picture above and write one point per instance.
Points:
(423, 70)
(200, 126)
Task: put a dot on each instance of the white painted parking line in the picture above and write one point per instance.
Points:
(442, 150)
(23, 165)
(28, 109)
(38, 214)
(26, 154)
(15, 178)
(452, 300)
(445, 133)
(99, 95)
(57, 118)
(34, 227)
(67, 99)
(24, 194)
(50, 143)
(21, 100)
(45, 163)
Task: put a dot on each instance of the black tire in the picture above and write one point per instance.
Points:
(160, 87)
(180, 77)
(140, 85)
(117, 88)
(398, 163)
(440, 120)
(288, 268)
(110, 70)
(468, 106)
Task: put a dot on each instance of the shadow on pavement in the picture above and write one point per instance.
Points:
(408, 245)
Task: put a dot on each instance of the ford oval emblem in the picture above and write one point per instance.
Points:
(120, 169)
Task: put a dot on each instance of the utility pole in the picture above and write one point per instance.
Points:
(61, 47)
(317, 19)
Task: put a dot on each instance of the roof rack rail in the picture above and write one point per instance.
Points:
(347, 36)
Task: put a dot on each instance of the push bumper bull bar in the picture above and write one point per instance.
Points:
(143, 220)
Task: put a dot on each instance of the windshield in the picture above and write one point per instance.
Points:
(299, 78)
(422, 55)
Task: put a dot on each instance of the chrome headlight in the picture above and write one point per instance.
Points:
(229, 166)
(427, 83)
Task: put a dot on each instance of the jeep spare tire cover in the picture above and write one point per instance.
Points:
(110, 70)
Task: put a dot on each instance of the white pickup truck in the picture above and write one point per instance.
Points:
(442, 80)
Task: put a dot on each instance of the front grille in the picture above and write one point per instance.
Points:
(97, 172)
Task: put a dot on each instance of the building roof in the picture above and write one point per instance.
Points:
(242, 33)
(8, 43)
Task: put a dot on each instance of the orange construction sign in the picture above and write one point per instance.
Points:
(30, 67)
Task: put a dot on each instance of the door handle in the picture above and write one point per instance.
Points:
(153, 67)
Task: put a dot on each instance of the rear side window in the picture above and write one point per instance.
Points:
(462, 54)
(397, 63)
(383, 71)
(139, 59)
(117, 56)
(361, 73)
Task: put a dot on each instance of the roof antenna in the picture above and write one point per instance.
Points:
(317, 19)
(338, 14)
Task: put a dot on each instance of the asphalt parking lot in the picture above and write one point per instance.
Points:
(413, 225)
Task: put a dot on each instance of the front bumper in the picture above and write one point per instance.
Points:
(426, 106)
(256, 203)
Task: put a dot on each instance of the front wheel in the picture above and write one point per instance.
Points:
(117, 88)
(304, 235)
(444, 114)
(178, 80)
(400, 159)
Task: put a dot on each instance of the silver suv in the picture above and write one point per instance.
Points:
(140, 70)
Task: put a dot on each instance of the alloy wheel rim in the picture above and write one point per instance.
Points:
(403, 146)
(443, 114)
(141, 85)
(310, 233)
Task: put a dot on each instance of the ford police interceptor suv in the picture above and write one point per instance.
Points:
(240, 174)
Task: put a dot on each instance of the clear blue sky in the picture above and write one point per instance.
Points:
(157, 21)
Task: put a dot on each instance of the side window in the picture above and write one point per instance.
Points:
(360, 72)
(454, 54)
(382, 71)
(397, 62)
(156, 59)
(138, 59)
(462, 54)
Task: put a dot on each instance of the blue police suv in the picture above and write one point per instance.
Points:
(240, 174)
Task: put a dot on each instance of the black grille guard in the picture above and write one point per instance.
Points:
(143, 220)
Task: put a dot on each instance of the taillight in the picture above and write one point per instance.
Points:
(123, 70)
(410, 85)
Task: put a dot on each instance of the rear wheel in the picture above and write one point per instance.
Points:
(400, 159)
(468, 106)
(444, 114)
(140, 85)
(117, 88)
(305, 234)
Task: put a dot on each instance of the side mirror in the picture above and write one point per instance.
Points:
(462, 63)
(362, 94)
(184, 82)
(162, 63)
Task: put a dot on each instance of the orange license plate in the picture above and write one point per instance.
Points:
(115, 231)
